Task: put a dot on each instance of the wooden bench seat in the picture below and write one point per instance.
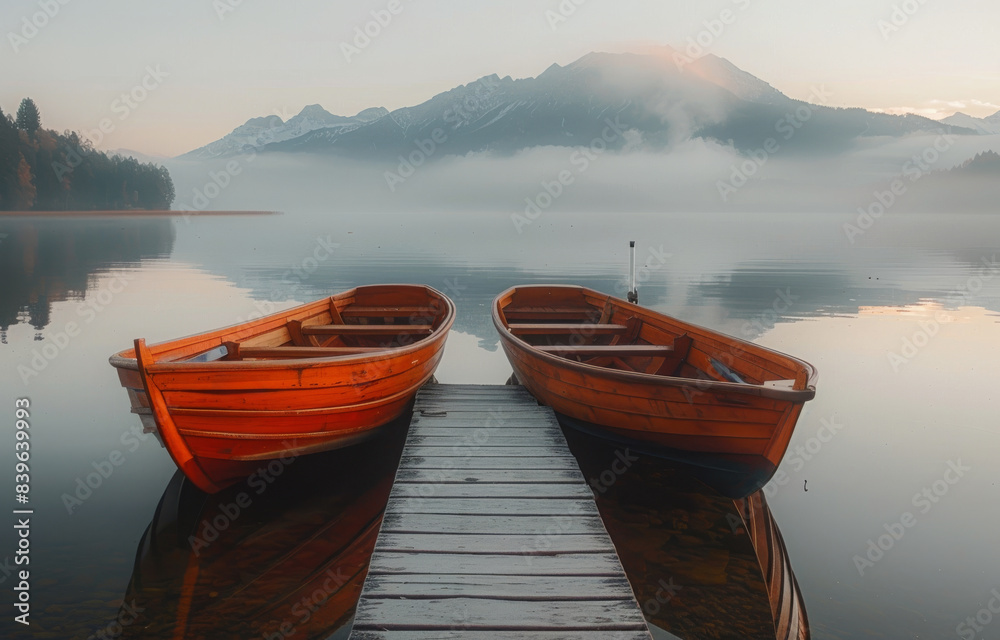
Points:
(303, 352)
(611, 350)
(366, 329)
(550, 313)
(586, 329)
(386, 312)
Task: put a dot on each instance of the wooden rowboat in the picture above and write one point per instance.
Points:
(316, 377)
(665, 386)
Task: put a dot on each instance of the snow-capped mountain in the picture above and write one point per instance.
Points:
(988, 125)
(257, 133)
(735, 80)
(649, 98)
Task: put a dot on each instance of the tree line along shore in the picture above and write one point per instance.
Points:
(42, 170)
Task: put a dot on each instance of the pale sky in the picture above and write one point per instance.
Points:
(263, 57)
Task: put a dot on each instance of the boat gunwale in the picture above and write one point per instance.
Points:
(636, 377)
(121, 361)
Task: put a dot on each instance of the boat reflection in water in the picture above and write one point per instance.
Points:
(701, 565)
(284, 554)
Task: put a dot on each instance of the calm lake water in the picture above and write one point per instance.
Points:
(896, 536)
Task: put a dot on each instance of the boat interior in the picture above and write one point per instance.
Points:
(601, 331)
(363, 323)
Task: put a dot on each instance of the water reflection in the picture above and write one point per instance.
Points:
(45, 261)
(702, 566)
(900, 427)
(284, 553)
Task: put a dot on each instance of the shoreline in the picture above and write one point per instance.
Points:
(130, 213)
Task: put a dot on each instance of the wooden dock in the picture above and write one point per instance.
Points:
(492, 532)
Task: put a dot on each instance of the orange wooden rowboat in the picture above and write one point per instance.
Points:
(317, 377)
(667, 386)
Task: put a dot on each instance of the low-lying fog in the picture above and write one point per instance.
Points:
(695, 175)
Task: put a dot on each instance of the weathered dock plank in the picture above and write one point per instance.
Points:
(440, 476)
(566, 564)
(511, 615)
(492, 490)
(509, 463)
(512, 543)
(542, 588)
(470, 634)
(489, 525)
(491, 532)
(487, 507)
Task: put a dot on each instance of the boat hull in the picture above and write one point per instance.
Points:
(740, 426)
(732, 475)
(223, 420)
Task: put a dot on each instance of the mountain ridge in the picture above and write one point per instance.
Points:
(659, 100)
(989, 125)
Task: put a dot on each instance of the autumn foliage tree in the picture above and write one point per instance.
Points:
(25, 187)
(41, 170)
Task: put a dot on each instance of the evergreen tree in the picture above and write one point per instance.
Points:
(9, 161)
(28, 117)
(42, 170)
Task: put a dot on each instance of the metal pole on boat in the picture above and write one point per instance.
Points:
(633, 292)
